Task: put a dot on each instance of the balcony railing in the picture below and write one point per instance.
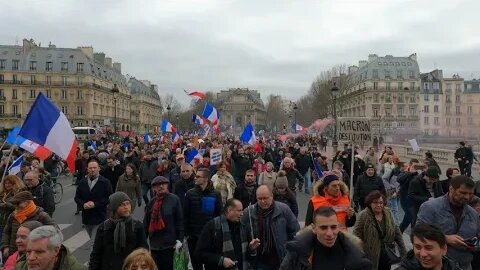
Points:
(58, 84)
(10, 115)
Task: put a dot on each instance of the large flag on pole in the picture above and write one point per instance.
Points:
(248, 135)
(210, 113)
(47, 126)
(196, 95)
(198, 120)
(167, 126)
(34, 148)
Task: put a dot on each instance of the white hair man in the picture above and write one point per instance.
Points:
(46, 252)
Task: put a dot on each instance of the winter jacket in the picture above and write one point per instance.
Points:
(112, 174)
(366, 230)
(242, 164)
(303, 163)
(242, 194)
(103, 256)
(404, 179)
(10, 231)
(6, 208)
(43, 197)
(66, 261)
(182, 186)
(148, 170)
(462, 154)
(289, 199)
(366, 184)
(418, 193)
(284, 225)
(130, 185)
(438, 211)
(411, 263)
(294, 176)
(98, 195)
(200, 207)
(300, 250)
(268, 179)
(172, 214)
(225, 185)
(368, 159)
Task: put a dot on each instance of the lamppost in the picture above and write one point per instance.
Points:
(168, 111)
(295, 114)
(334, 94)
(177, 116)
(115, 91)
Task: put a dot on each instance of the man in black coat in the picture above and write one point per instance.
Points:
(423, 188)
(112, 171)
(185, 183)
(462, 155)
(246, 192)
(367, 183)
(225, 229)
(242, 162)
(202, 204)
(42, 193)
(92, 194)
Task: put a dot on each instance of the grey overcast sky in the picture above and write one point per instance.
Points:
(274, 46)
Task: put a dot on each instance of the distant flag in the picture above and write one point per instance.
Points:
(12, 136)
(162, 138)
(248, 135)
(34, 148)
(47, 126)
(317, 166)
(15, 167)
(147, 138)
(210, 113)
(198, 120)
(206, 128)
(176, 138)
(192, 155)
(167, 126)
(196, 95)
(297, 128)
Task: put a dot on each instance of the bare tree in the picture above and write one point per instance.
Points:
(276, 115)
(169, 101)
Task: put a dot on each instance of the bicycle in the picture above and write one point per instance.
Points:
(57, 190)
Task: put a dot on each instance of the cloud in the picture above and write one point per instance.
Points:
(273, 46)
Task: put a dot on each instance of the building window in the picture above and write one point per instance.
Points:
(375, 112)
(33, 93)
(388, 98)
(48, 80)
(399, 74)
(449, 87)
(425, 109)
(435, 97)
(15, 109)
(375, 98)
(2, 110)
(79, 94)
(425, 97)
(399, 85)
(457, 98)
(375, 74)
(14, 93)
(412, 85)
(413, 111)
(15, 78)
(457, 122)
(80, 110)
(79, 81)
(64, 94)
(48, 66)
(33, 65)
(375, 85)
(64, 80)
(387, 85)
(387, 74)
(436, 121)
(64, 66)
(64, 109)
(426, 86)
(2, 78)
(15, 64)
(33, 80)
(79, 67)
(458, 87)
(3, 64)
(457, 110)
(49, 93)
(469, 109)
(435, 109)
(447, 109)
(412, 98)
(448, 98)
(388, 112)
(400, 98)
(470, 121)
(2, 94)
(411, 74)
(400, 111)
(448, 122)
(425, 120)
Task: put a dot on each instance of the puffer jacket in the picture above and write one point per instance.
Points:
(301, 248)
(200, 207)
(411, 263)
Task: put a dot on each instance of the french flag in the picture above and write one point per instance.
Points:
(248, 135)
(167, 126)
(298, 128)
(162, 139)
(15, 167)
(47, 126)
(198, 120)
(210, 113)
(176, 138)
(193, 155)
(34, 148)
(147, 138)
(196, 95)
(317, 167)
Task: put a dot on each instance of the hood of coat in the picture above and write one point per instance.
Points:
(318, 188)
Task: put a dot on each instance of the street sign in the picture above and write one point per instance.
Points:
(354, 129)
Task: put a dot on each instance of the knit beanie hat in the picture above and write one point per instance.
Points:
(116, 199)
(282, 181)
(31, 224)
(328, 179)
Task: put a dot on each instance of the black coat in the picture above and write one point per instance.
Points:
(195, 214)
(241, 194)
(98, 195)
(288, 199)
(181, 187)
(411, 263)
(242, 164)
(112, 174)
(172, 214)
(103, 256)
(43, 197)
(418, 192)
(303, 163)
(366, 184)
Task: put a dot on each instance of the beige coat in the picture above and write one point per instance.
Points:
(268, 179)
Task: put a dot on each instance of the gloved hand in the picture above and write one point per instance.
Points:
(178, 246)
(139, 203)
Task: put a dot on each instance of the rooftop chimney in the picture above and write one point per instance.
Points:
(108, 62)
(117, 67)
(99, 58)
(88, 51)
(372, 57)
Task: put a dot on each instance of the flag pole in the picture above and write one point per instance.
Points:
(9, 157)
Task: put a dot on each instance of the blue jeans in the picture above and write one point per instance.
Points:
(393, 202)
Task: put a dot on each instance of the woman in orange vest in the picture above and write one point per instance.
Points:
(332, 192)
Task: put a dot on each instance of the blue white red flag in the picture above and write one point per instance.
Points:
(210, 113)
(193, 155)
(167, 126)
(248, 135)
(15, 167)
(198, 120)
(297, 127)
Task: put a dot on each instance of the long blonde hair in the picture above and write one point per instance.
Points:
(16, 182)
(139, 255)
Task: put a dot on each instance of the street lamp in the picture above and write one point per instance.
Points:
(295, 114)
(115, 91)
(334, 94)
(168, 111)
(177, 116)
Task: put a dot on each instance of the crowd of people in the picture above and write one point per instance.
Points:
(242, 212)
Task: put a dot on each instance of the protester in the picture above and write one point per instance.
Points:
(294, 177)
(21, 241)
(370, 158)
(25, 210)
(281, 193)
(392, 187)
(431, 162)
(270, 225)
(458, 221)
(303, 163)
(139, 259)
(325, 246)
(25, 167)
(46, 252)
(463, 156)
(92, 194)
(451, 172)
(147, 171)
(367, 183)
(376, 227)
(9, 186)
(223, 241)
(112, 171)
(224, 183)
(475, 204)
(241, 162)
(404, 179)
(41, 191)
(429, 250)
(202, 204)
(163, 223)
(186, 182)
(246, 191)
(268, 177)
(129, 183)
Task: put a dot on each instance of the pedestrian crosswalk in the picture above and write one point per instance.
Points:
(76, 239)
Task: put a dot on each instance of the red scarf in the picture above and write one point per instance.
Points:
(156, 219)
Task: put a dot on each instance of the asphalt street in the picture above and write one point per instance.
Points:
(77, 240)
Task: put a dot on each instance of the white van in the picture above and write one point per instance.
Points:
(83, 133)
